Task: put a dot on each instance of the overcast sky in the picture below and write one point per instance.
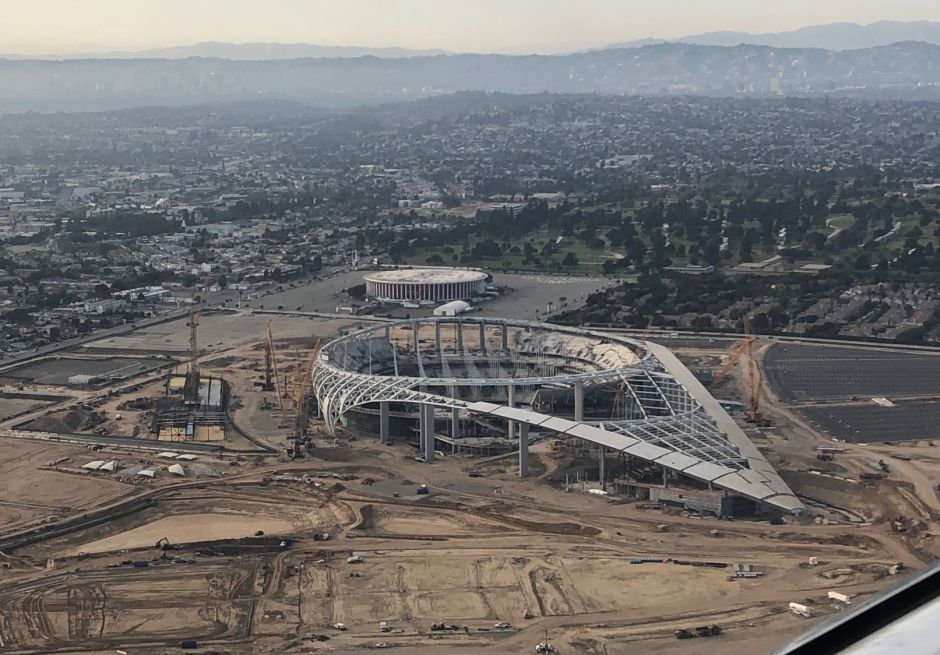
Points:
(70, 26)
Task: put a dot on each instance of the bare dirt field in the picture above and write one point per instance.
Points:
(31, 490)
(186, 528)
(13, 406)
(472, 553)
(466, 557)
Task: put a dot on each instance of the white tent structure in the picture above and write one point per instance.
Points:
(147, 473)
(93, 466)
(453, 308)
(176, 469)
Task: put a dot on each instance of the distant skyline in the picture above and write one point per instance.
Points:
(42, 27)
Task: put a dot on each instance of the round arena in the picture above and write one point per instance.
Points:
(425, 285)
(484, 386)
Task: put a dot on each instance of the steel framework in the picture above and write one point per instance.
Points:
(674, 422)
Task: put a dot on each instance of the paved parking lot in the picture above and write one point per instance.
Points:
(868, 423)
(803, 373)
(58, 370)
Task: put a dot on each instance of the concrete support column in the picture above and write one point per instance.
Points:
(437, 337)
(505, 337)
(510, 402)
(454, 418)
(459, 327)
(429, 444)
(665, 477)
(483, 337)
(383, 422)
(427, 431)
(602, 467)
(414, 334)
(523, 450)
(578, 401)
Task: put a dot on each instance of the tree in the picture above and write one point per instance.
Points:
(486, 249)
(571, 259)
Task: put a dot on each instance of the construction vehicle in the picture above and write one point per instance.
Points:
(162, 544)
(700, 631)
(545, 646)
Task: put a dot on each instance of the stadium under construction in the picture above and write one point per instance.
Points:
(491, 384)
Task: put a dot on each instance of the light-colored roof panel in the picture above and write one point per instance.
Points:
(602, 437)
(168, 455)
(558, 424)
(755, 477)
(505, 412)
(706, 471)
(426, 276)
(176, 469)
(188, 458)
(788, 502)
(483, 408)
(735, 482)
(530, 417)
(678, 461)
(94, 466)
(147, 473)
(647, 451)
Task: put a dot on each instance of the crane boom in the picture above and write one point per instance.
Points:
(301, 408)
(277, 379)
(743, 347)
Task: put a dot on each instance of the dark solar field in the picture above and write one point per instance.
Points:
(873, 423)
(800, 373)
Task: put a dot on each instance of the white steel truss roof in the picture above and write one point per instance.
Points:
(683, 428)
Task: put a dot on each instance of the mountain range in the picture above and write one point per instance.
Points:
(907, 70)
(833, 36)
(244, 51)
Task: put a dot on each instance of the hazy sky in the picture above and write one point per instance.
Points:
(69, 26)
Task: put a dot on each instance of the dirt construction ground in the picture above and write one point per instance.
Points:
(251, 552)
(472, 559)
